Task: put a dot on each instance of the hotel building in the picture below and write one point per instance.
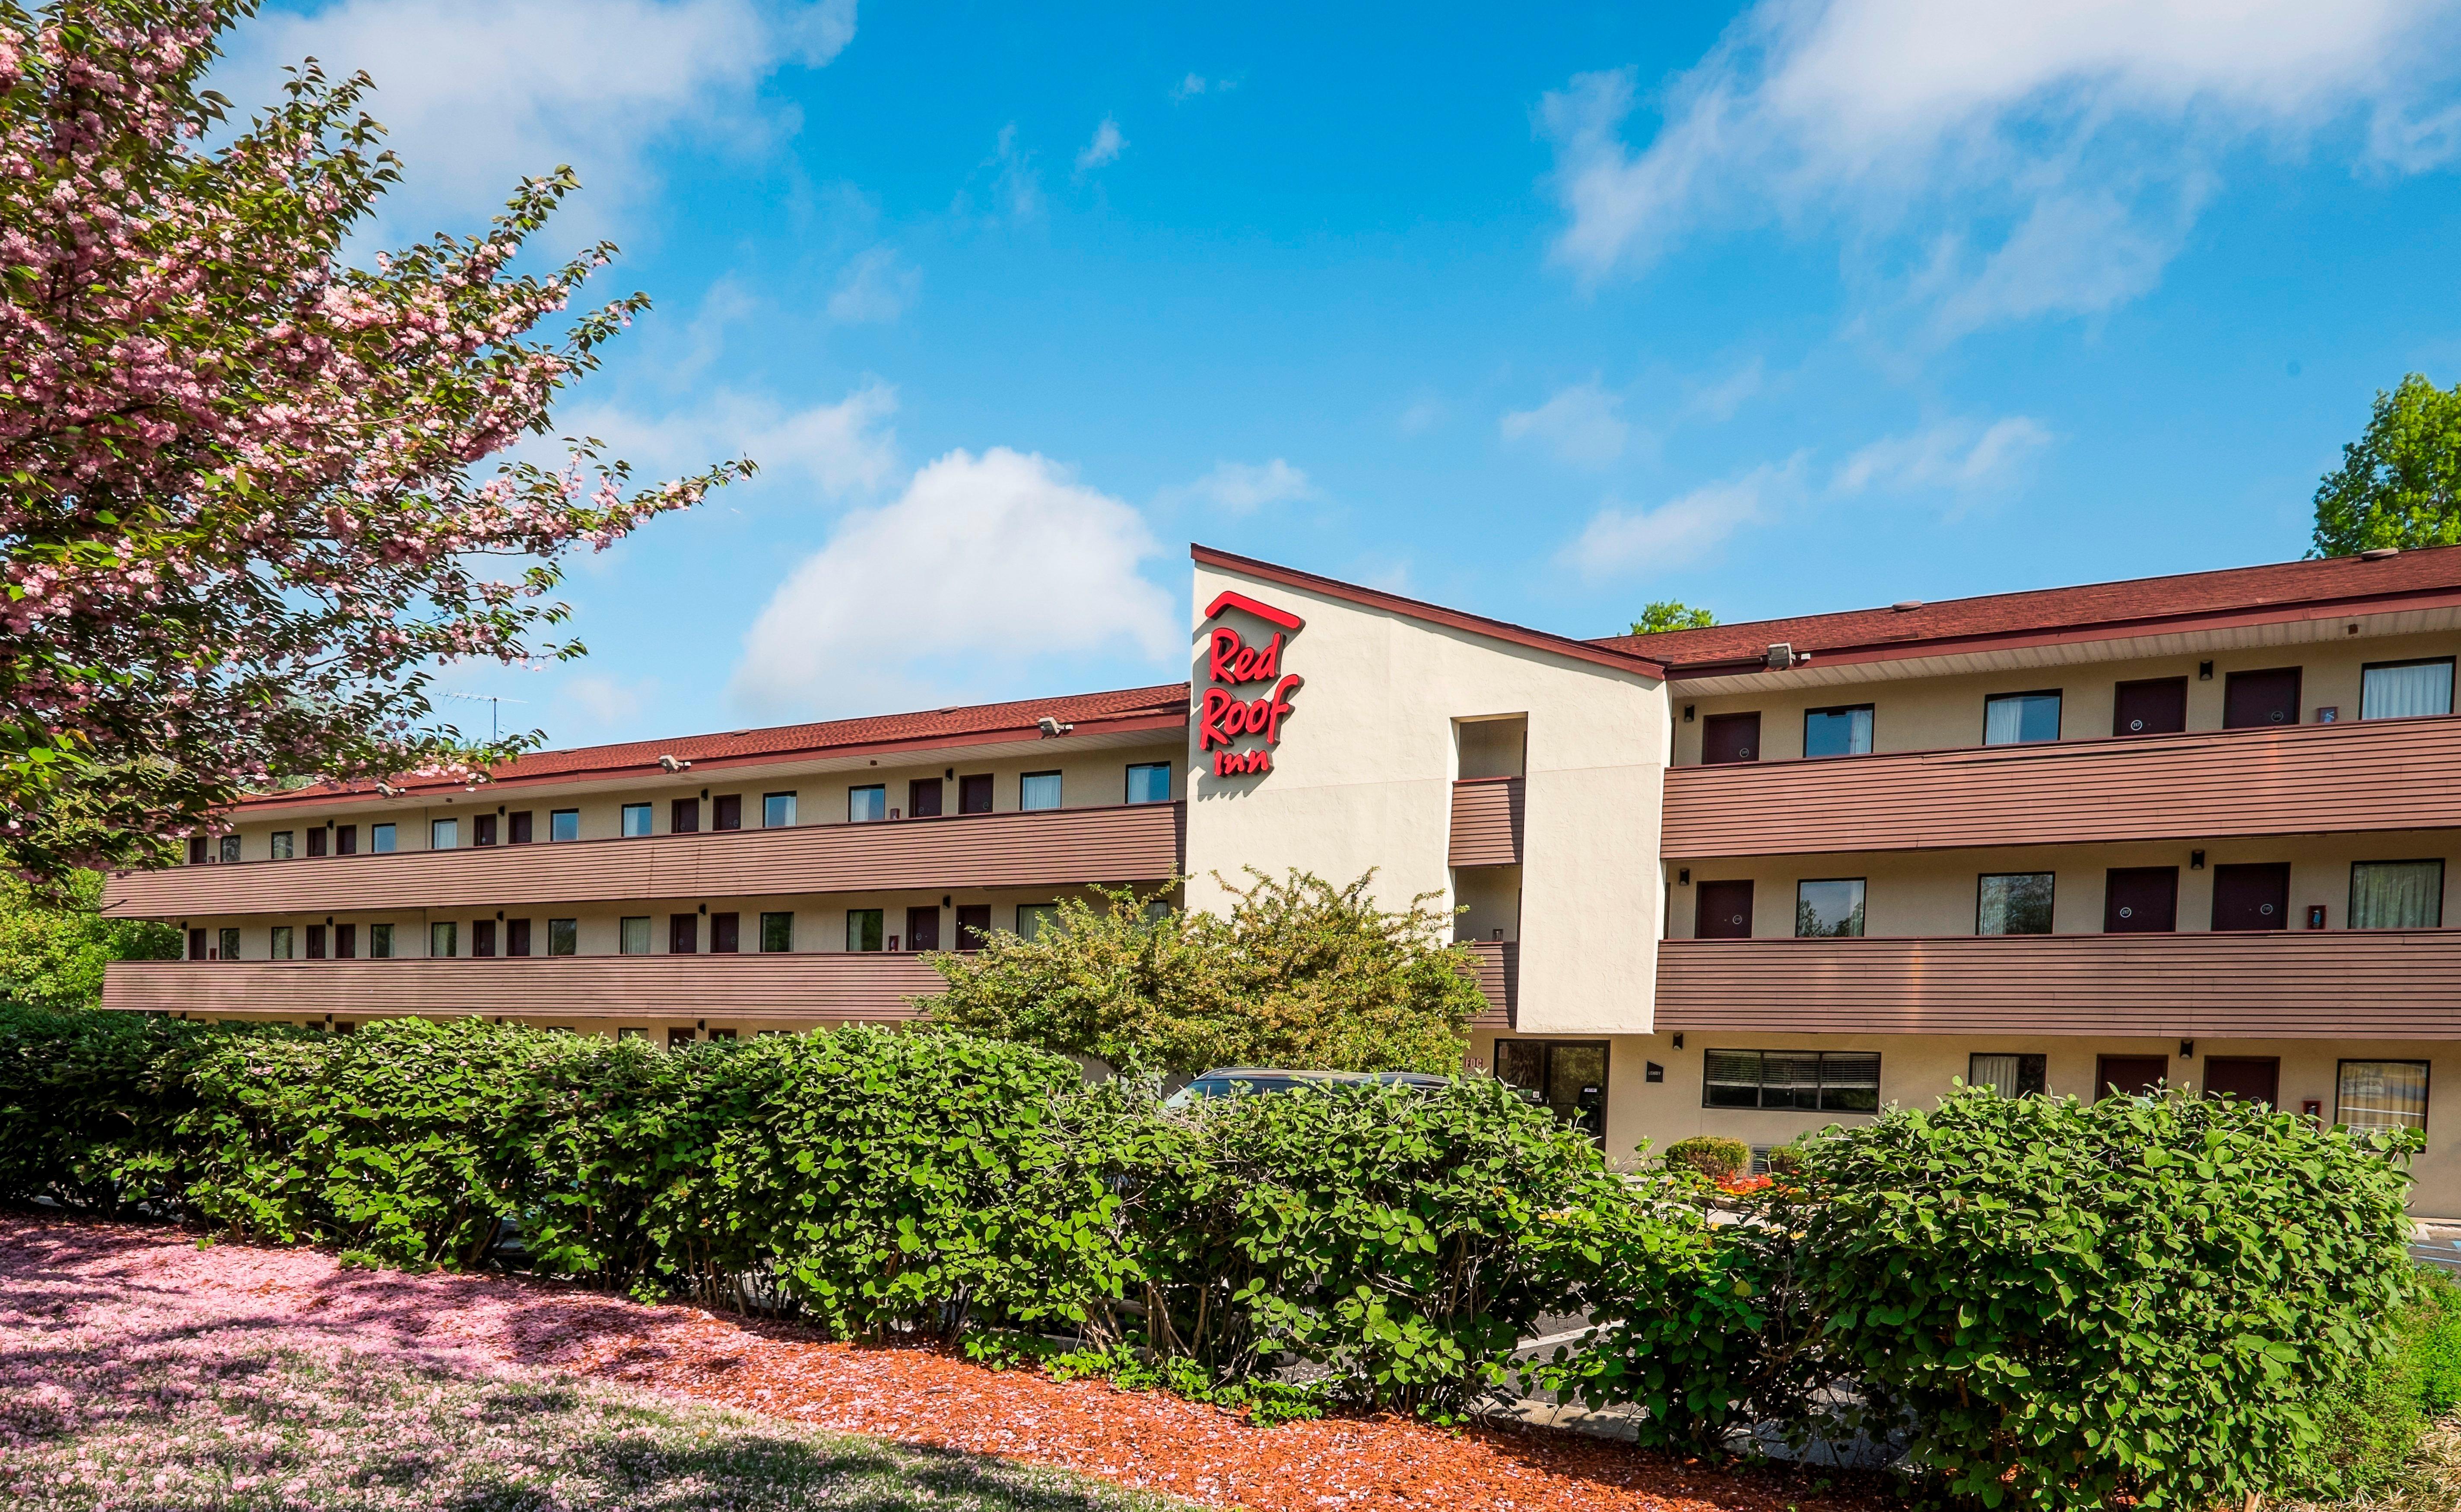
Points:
(1748, 879)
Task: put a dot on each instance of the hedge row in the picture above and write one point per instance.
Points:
(2051, 1302)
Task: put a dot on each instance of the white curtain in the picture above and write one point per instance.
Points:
(2401, 692)
(2397, 895)
(1999, 1072)
(2383, 1094)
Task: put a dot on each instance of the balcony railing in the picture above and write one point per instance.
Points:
(831, 987)
(2341, 984)
(1499, 977)
(2373, 775)
(1049, 848)
(1486, 822)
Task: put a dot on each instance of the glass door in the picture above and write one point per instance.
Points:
(1568, 1075)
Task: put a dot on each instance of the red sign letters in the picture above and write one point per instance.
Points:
(1232, 666)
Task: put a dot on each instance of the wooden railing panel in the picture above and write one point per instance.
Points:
(1486, 822)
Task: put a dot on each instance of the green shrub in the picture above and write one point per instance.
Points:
(2070, 1303)
(1786, 1163)
(88, 1102)
(2371, 1430)
(1713, 1156)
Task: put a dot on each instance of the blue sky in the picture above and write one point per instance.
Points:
(1543, 313)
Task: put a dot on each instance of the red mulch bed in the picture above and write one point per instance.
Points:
(1147, 1440)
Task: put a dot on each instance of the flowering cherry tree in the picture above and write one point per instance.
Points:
(242, 510)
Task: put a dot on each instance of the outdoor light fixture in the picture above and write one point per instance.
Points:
(1683, 876)
(1687, 713)
(1678, 1042)
(2187, 1050)
(2204, 671)
(2196, 860)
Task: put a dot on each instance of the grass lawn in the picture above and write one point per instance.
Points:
(235, 1425)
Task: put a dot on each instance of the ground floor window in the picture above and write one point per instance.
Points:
(1569, 1076)
(2009, 1075)
(2383, 1094)
(1807, 1081)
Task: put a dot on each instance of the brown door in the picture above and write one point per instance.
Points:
(346, 942)
(2252, 897)
(315, 938)
(1730, 737)
(345, 839)
(1723, 910)
(923, 797)
(725, 933)
(2155, 706)
(975, 795)
(2127, 1075)
(683, 817)
(517, 937)
(974, 923)
(2250, 699)
(2256, 1077)
(196, 945)
(726, 811)
(922, 928)
(517, 828)
(683, 934)
(2141, 900)
(482, 937)
(316, 840)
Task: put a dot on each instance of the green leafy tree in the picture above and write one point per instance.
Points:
(1671, 614)
(53, 950)
(2400, 483)
(1297, 973)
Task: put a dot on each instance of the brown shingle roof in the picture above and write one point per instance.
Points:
(1131, 708)
(2343, 583)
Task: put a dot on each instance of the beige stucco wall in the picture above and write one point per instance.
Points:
(1917, 1070)
(1362, 779)
(1926, 714)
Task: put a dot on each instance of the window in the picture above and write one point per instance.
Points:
(443, 940)
(2014, 903)
(2406, 689)
(279, 947)
(482, 830)
(564, 823)
(720, 1034)
(636, 820)
(2397, 895)
(726, 811)
(1149, 782)
(380, 942)
(631, 1034)
(725, 933)
(1829, 909)
(230, 845)
(974, 794)
(2012, 719)
(632, 936)
(315, 942)
(683, 933)
(443, 834)
(864, 930)
(227, 944)
(345, 839)
(1567, 1076)
(1837, 732)
(564, 937)
(380, 840)
(1037, 790)
(346, 942)
(1807, 1081)
(517, 937)
(2009, 1075)
(1033, 917)
(316, 839)
(777, 809)
(483, 938)
(2383, 1094)
(866, 804)
(518, 830)
(777, 932)
(281, 845)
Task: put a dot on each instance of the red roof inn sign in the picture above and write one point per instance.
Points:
(1247, 693)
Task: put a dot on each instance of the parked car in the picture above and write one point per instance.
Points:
(1239, 1082)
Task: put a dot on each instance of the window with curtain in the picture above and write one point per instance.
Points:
(777, 809)
(443, 940)
(381, 838)
(866, 928)
(380, 941)
(443, 834)
(2406, 689)
(867, 804)
(1149, 782)
(564, 937)
(1837, 732)
(1806, 1080)
(230, 848)
(282, 844)
(1828, 909)
(636, 820)
(564, 823)
(2011, 719)
(1033, 917)
(777, 932)
(2383, 1094)
(1037, 790)
(632, 936)
(280, 949)
(2014, 903)
(2397, 895)
(2009, 1075)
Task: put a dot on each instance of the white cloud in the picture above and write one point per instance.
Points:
(1679, 530)
(984, 564)
(1016, 190)
(1244, 487)
(1422, 415)
(1580, 424)
(601, 702)
(1105, 147)
(875, 287)
(834, 449)
(1719, 401)
(1959, 455)
(2038, 158)
(1189, 87)
(478, 93)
